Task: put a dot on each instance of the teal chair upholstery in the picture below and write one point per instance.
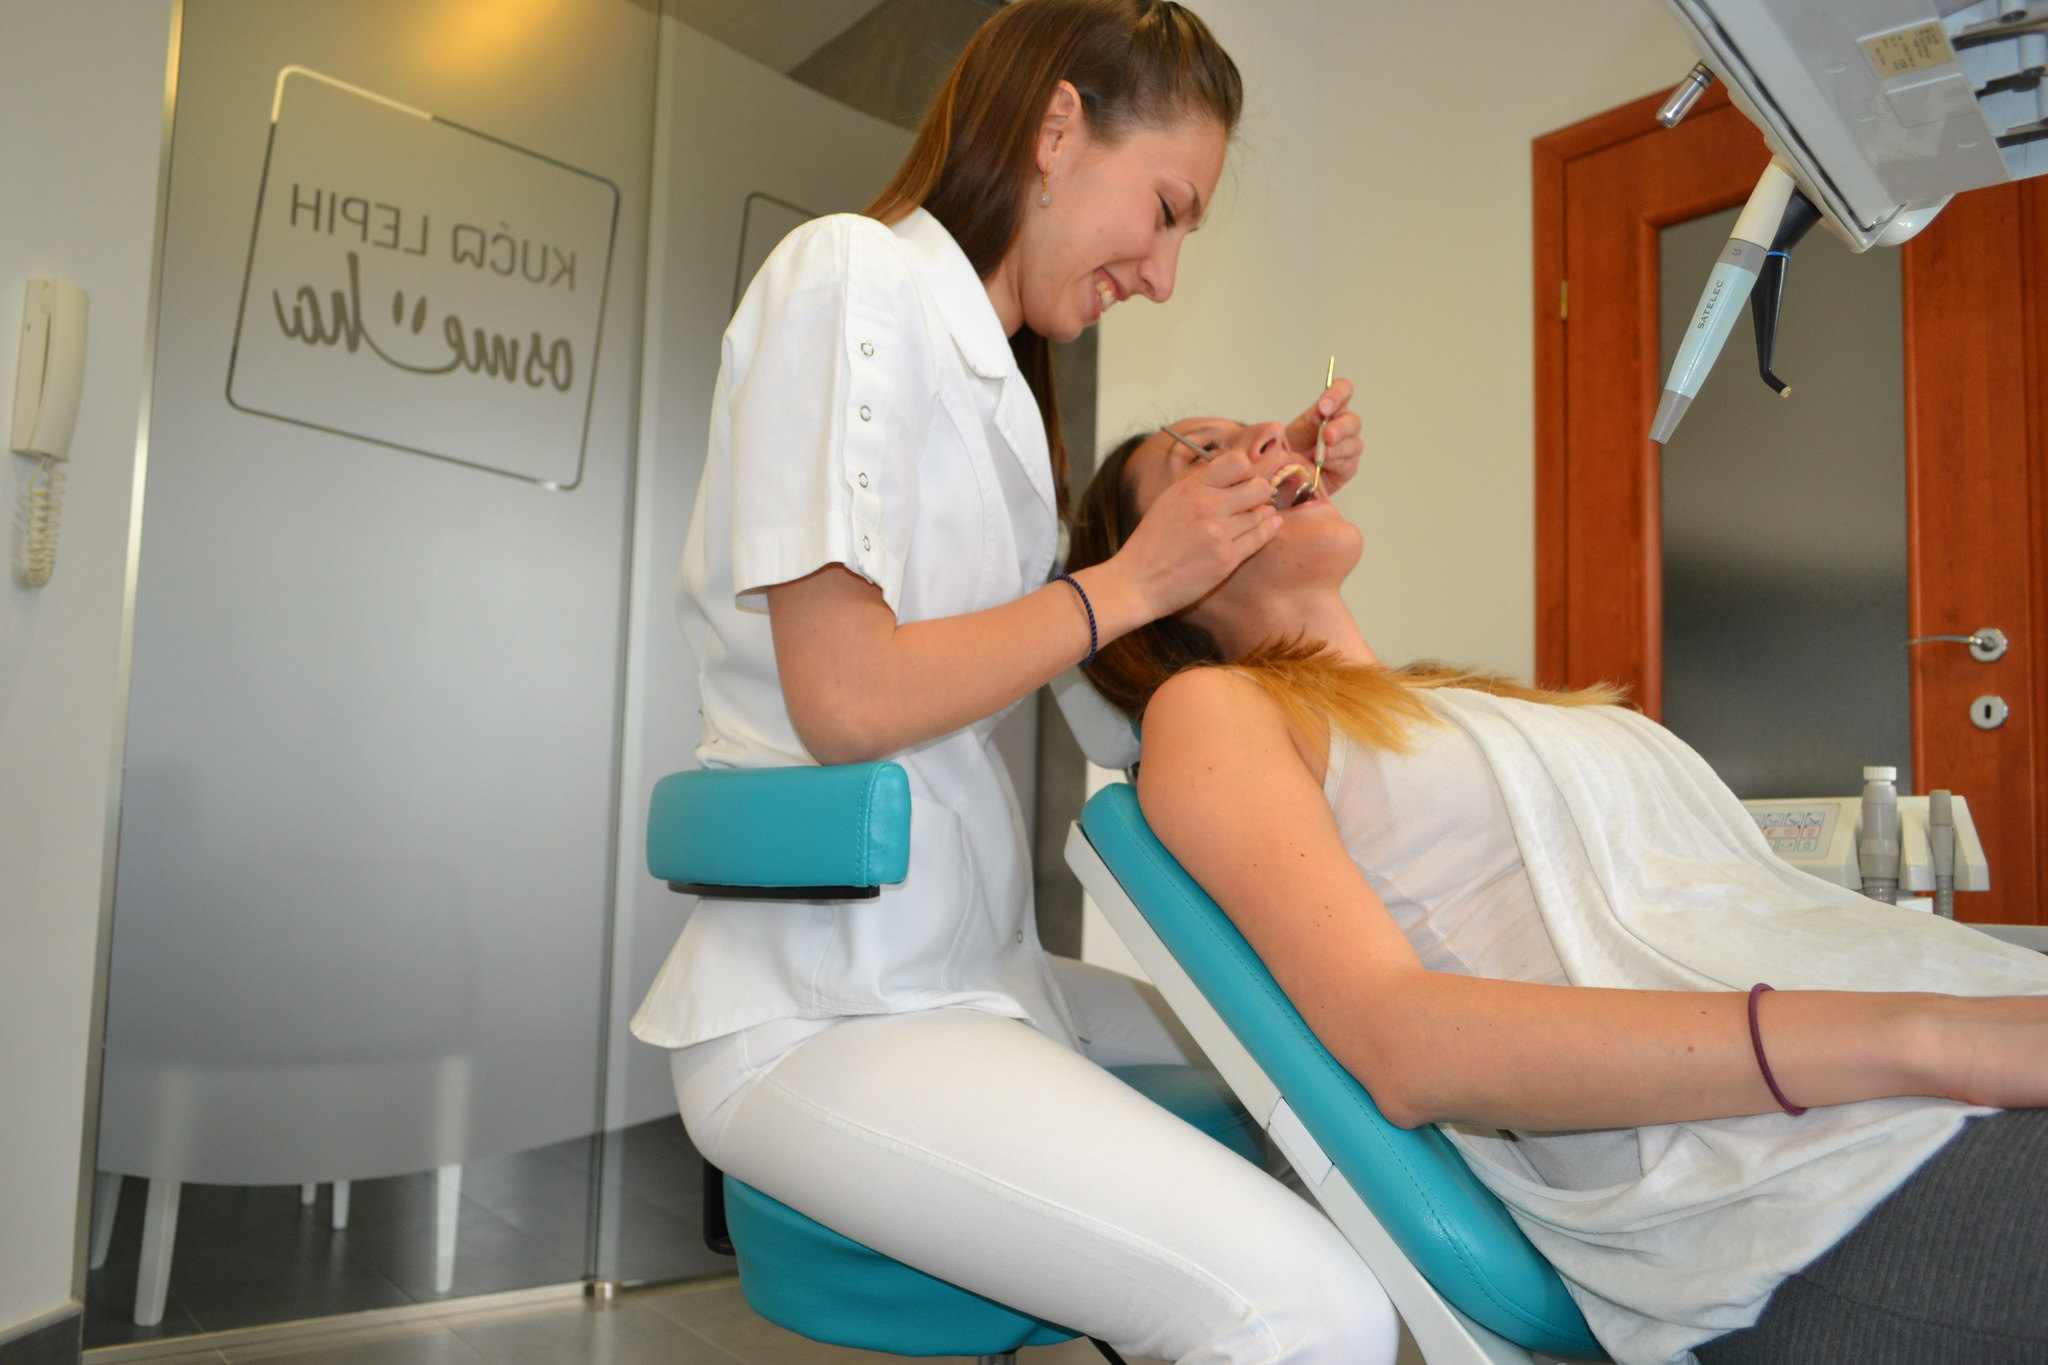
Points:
(1451, 1227)
(843, 833)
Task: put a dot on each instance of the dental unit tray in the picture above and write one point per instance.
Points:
(1465, 1280)
(1877, 113)
(1882, 109)
(1818, 835)
(782, 834)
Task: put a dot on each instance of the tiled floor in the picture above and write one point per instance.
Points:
(246, 1256)
(703, 1323)
(249, 1257)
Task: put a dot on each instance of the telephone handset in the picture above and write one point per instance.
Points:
(47, 380)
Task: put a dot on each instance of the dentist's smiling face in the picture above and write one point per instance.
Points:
(1118, 214)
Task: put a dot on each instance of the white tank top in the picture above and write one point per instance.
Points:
(1431, 833)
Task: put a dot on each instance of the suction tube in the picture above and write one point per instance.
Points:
(1941, 847)
(1733, 276)
(1764, 304)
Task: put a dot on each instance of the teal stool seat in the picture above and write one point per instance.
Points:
(801, 1275)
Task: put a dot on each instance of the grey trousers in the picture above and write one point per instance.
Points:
(1952, 1267)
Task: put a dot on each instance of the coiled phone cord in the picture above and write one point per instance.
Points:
(42, 502)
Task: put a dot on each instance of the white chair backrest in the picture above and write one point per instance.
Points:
(1105, 734)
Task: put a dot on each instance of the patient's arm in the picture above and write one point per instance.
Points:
(1236, 795)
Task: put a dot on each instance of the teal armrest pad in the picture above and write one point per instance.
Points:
(1452, 1227)
(800, 828)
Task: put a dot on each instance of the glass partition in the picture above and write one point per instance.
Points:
(356, 999)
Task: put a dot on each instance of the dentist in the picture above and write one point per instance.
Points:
(866, 577)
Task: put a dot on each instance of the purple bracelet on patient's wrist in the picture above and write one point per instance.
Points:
(1756, 1040)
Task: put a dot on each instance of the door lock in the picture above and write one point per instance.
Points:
(1989, 712)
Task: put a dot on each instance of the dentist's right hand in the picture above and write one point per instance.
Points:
(861, 685)
(1193, 536)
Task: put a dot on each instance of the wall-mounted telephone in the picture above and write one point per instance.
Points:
(47, 380)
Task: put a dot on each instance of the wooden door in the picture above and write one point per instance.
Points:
(1976, 338)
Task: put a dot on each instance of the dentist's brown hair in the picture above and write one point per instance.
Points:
(1134, 63)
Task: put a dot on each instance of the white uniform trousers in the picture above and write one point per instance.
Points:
(977, 1150)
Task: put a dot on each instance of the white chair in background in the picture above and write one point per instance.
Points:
(287, 1021)
(160, 1231)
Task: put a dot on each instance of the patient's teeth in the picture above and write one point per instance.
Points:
(1280, 476)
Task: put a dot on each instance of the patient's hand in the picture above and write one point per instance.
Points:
(1342, 443)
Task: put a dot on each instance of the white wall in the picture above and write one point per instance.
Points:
(1378, 206)
(82, 99)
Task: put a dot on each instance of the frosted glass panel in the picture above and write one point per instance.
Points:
(372, 767)
(1785, 530)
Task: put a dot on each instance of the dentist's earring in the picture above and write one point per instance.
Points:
(1044, 191)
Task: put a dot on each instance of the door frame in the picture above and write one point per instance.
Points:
(1975, 288)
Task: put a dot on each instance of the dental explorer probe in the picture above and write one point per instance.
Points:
(1328, 380)
(1201, 453)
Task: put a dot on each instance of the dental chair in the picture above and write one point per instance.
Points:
(1465, 1280)
(1467, 1283)
(723, 834)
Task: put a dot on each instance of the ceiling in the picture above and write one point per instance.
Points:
(884, 57)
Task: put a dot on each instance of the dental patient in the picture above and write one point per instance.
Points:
(1540, 920)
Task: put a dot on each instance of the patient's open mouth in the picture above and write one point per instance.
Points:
(1293, 485)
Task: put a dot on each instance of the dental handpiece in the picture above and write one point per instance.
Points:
(1728, 287)
(1878, 844)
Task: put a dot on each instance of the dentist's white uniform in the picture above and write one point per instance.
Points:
(913, 1070)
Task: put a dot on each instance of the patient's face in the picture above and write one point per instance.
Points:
(1315, 541)
(1162, 460)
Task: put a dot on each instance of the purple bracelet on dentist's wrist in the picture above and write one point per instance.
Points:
(1094, 641)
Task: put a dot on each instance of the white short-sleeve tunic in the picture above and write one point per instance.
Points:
(868, 413)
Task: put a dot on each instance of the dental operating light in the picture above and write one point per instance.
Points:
(1877, 113)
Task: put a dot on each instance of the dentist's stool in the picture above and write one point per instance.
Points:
(727, 834)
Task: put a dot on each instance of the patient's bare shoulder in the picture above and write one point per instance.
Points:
(1199, 697)
(1207, 719)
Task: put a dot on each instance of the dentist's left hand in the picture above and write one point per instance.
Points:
(1342, 442)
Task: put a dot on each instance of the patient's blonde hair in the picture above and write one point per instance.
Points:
(1375, 705)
